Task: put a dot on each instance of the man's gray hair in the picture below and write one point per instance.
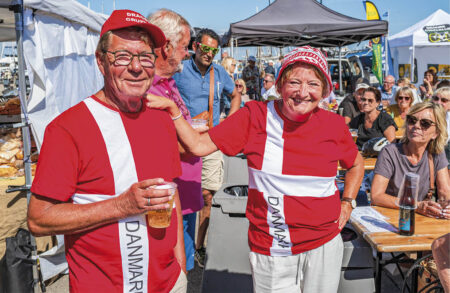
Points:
(171, 23)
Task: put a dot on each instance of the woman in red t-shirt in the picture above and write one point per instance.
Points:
(293, 148)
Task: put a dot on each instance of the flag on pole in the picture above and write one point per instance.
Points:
(372, 14)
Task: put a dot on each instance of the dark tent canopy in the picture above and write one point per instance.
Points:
(302, 22)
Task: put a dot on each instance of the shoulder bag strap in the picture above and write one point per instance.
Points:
(211, 96)
(431, 166)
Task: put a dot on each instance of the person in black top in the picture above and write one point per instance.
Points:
(372, 122)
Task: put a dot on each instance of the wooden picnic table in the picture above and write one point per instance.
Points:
(426, 231)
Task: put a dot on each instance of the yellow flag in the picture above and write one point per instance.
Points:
(371, 11)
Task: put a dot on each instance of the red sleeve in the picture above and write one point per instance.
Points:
(57, 168)
(346, 146)
(232, 134)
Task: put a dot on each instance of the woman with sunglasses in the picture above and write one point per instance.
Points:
(242, 89)
(372, 122)
(293, 148)
(404, 99)
(423, 142)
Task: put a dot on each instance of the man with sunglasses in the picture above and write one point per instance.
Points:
(97, 168)
(269, 91)
(193, 82)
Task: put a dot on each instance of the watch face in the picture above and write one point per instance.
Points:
(353, 203)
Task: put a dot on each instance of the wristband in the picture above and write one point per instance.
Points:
(177, 117)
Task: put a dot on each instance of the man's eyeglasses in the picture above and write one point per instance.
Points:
(267, 80)
(388, 82)
(424, 123)
(124, 58)
(370, 101)
(406, 98)
(206, 49)
(443, 100)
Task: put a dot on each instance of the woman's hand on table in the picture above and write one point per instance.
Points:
(431, 209)
(346, 211)
(445, 212)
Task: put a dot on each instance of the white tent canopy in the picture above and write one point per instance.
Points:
(426, 41)
(59, 39)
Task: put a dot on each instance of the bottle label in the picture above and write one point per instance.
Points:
(405, 220)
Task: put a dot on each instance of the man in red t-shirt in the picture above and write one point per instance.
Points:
(96, 165)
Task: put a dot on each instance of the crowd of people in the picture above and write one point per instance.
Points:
(108, 153)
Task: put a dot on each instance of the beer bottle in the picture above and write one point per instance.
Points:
(407, 207)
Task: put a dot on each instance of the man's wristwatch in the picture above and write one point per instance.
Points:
(351, 201)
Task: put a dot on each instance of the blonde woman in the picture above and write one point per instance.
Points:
(230, 65)
(425, 133)
(242, 89)
(225, 102)
(404, 99)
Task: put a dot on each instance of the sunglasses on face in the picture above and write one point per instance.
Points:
(424, 123)
(370, 101)
(406, 98)
(443, 100)
(238, 85)
(206, 49)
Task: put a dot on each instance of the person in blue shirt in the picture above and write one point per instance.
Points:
(193, 83)
(388, 91)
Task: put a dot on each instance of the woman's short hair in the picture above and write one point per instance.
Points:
(242, 82)
(288, 71)
(405, 90)
(375, 91)
(443, 92)
(437, 145)
(226, 63)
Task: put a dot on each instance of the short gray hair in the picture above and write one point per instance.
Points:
(171, 24)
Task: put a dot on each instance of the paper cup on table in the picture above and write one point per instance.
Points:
(161, 218)
(200, 124)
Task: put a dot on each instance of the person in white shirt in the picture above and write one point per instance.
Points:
(269, 92)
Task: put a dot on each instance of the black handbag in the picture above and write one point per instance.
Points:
(16, 267)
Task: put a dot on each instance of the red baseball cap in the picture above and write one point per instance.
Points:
(311, 56)
(127, 18)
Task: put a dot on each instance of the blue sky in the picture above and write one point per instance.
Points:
(218, 14)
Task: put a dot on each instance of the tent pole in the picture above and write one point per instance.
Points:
(340, 70)
(232, 47)
(412, 66)
(18, 15)
(386, 53)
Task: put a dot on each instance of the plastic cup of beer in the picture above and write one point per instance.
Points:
(354, 133)
(200, 124)
(161, 218)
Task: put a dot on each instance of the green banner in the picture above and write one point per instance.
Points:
(376, 59)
